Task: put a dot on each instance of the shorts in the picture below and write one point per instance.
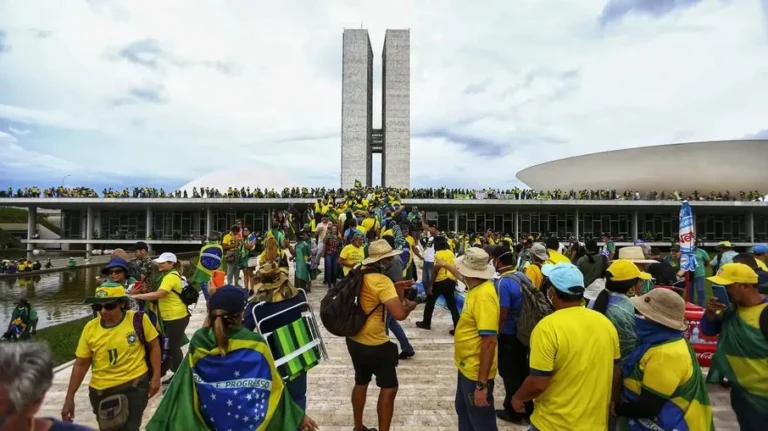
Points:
(380, 361)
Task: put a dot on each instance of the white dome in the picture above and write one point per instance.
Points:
(259, 175)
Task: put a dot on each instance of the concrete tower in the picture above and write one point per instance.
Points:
(359, 140)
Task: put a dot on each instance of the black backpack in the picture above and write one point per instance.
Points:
(189, 294)
(165, 357)
(340, 309)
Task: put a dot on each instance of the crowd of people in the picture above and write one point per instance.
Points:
(14, 266)
(414, 193)
(555, 322)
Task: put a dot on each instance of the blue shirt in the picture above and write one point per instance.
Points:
(511, 297)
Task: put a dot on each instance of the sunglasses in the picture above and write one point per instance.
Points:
(115, 271)
(109, 307)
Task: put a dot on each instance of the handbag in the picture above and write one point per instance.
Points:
(113, 412)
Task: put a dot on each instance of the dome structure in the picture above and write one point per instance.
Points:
(261, 176)
(704, 166)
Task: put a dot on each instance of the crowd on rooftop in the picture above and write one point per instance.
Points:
(414, 193)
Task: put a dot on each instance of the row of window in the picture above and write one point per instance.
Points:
(656, 227)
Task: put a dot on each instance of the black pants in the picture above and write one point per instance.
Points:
(174, 330)
(137, 393)
(513, 369)
(446, 288)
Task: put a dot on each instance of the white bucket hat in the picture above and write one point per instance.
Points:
(634, 254)
(475, 264)
(380, 249)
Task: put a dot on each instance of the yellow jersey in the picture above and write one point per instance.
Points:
(171, 306)
(442, 273)
(352, 254)
(116, 352)
(377, 289)
(480, 316)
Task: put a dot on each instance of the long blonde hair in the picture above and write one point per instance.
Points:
(221, 320)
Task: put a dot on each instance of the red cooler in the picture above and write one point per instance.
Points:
(704, 346)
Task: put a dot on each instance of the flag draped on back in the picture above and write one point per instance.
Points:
(240, 391)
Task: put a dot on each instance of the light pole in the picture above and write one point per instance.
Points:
(64, 178)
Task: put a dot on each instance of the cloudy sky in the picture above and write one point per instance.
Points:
(125, 92)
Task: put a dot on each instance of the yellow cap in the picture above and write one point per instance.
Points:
(734, 273)
(623, 270)
(725, 244)
(107, 292)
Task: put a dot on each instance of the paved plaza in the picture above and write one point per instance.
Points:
(424, 400)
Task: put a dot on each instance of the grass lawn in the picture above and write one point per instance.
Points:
(62, 339)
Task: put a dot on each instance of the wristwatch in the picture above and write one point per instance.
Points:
(479, 386)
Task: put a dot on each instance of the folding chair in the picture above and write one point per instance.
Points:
(298, 346)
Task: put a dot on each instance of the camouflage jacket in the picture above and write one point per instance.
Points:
(145, 271)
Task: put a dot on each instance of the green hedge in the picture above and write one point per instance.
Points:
(62, 339)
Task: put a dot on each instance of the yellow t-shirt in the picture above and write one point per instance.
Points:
(171, 307)
(229, 239)
(577, 347)
(369, 223)
(752, 372)
(666, 368)
(479, 317)
(533, 272)
(117, 353)
(556, 257)
(761, 264)
(352, 254)
(447, 257)
(377, 289)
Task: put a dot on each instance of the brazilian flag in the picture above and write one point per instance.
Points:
(241, 390)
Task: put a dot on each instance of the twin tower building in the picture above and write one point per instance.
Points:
(359, 140)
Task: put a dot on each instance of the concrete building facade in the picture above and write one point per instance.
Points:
(396, 109)
(359, 140)
(356, 108)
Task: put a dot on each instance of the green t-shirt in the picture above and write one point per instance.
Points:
(303, 251)
(701, 255)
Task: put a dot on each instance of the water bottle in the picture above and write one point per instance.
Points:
(695, 336)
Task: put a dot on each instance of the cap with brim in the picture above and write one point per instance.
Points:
(228, 298)
(475, 264)
(623, 270)
(565, 277)
(166, 257)
(380, 249)
(725, 244)
(760, 249)
(662, 306)
(731, 273)
(107, 292)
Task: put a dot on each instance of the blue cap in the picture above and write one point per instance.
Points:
(565, 277)
(115, 262)
(760, 249)
(228, 298)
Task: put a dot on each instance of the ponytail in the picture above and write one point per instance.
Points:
(221, 320)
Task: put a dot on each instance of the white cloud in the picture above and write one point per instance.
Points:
(494, 89)
(19, 132)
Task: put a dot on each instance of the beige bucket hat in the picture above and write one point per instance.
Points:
(634, 254)
(540, 251)
(662, 306)
(475, 264)
(380, 249)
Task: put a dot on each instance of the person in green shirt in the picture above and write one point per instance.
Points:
(702, 261)
(301, 253)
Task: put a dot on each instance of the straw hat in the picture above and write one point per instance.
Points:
(272, 284)
(662, 306)
(475, 264)
(380, 249)
(634, 254)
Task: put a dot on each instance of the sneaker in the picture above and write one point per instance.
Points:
(422, 325)
(408, 355)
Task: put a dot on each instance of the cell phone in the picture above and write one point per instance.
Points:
(721, 294)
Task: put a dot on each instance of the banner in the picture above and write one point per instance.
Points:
(687, 238)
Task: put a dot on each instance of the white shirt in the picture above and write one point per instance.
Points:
(429, 250)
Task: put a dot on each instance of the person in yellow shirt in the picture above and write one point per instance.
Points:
(370, 350)
(111, 349)
(555, 257)
(444, 285)
(539, 256)
(761, 256)
(475, 341)
(172, 310)
(574, 351)
(352, 254)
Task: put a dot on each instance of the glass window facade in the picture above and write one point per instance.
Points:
(258, 221)
(178, 225)
(721, 227)
(761, 228)
(659, 227)
(122, 225)
(71, 224)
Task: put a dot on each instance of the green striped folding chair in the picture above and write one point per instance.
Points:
(294, 349)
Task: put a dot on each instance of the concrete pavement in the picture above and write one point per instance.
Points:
(425, 398)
